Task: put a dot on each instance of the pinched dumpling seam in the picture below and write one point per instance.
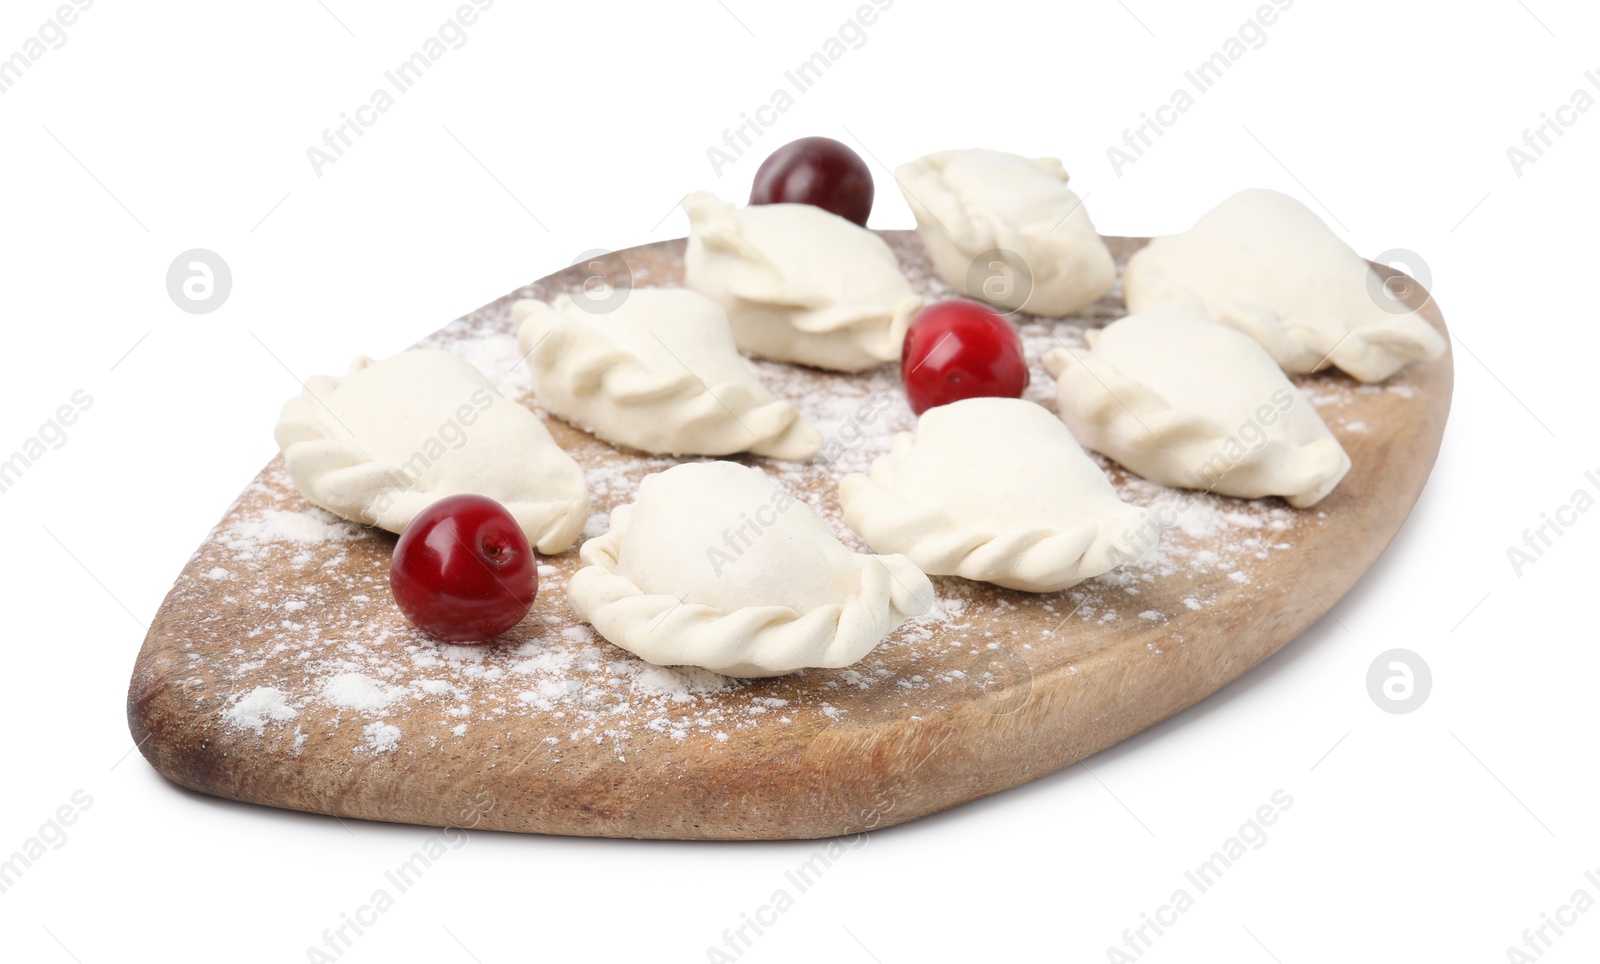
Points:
(1113, 414)
(1368, 352)
(1038, 559)
(754, 641)
(334, 472)
(688, 416)
(1065, 276)
(871, 341)
(1264, 264)
(974, 229)
(763, 290)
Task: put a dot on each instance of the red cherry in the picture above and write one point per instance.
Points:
(463, 572)
(818, 171)
(960, 349)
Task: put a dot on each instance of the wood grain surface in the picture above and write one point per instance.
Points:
(552, 730)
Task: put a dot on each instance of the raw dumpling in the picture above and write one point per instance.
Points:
(390, 438)
(996, 489)
(714, 566)
(658, 373)
(1187, 403)
(799, 284)
(1007, 230)
(1265, 264)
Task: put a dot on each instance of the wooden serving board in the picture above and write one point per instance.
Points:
(278, 671)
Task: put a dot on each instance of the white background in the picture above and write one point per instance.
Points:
(1438, 835)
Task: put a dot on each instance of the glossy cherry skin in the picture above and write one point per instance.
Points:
(818, 171)
(463, 571)
(960, 349)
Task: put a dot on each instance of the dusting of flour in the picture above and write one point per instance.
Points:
(313, 647)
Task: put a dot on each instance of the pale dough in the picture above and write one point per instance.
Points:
(997, 490)
(1191, 404)
(799, 284)
(658, 373)
(1265, 264)
(392, 437)
(714, 566)
(1007, 230)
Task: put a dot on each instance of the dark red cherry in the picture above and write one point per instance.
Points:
(818, 171)
(961, 349)
(463, 571)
